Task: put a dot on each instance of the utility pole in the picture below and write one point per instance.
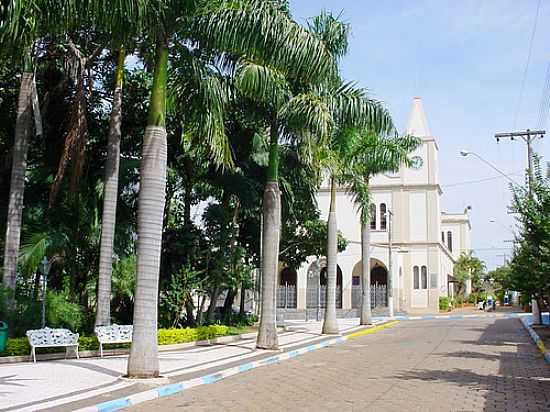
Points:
(528, 137)
(390, 272)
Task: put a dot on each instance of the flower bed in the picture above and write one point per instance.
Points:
(172, 336)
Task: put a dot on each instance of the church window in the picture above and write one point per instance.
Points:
(450, 240)
(383, 216)
(416, 277)
(373, 216)
(424, 277)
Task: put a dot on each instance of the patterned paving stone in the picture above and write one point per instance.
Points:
(470, 365)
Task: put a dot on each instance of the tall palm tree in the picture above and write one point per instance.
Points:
(302, 115)
(22, 23)
(258, 29)
(123, 24)
(373, 153)
(110, 196)
(350, 108)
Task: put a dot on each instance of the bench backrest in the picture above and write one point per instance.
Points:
(114, 333)
(47, 336)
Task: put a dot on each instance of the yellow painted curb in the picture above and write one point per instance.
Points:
(371, 330)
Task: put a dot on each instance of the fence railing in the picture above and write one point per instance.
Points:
(287, 296)
(378, 296)
(317, 297)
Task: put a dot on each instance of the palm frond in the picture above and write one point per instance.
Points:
(262, 84)
(201, 94)
(332, 31)
(260, 30)
(307, 113)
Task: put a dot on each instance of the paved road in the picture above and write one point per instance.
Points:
(466, 365)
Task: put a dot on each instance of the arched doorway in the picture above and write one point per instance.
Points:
(317, 285)
(286, 291)
(378, 281)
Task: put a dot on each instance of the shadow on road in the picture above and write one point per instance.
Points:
(523, 378)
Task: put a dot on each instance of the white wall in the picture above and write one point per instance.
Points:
(417, 216)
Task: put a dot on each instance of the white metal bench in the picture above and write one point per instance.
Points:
(113, 334)
(49, 338)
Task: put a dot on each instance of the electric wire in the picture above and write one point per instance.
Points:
(526, 70)
(544, 107)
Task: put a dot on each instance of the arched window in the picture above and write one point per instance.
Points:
(443, 237)
(450, 240)
(373, 216)
(416, 277)
(383, 216)
(424, 277)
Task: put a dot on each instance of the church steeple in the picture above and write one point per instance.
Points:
(418, 124)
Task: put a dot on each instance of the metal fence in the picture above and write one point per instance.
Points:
(378, 296)
(287, 296)
(317, 297)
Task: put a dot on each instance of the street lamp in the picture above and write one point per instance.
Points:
(465, 153)
(45, 265)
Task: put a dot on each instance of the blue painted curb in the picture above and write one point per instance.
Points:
(174, 388)
(527, 322)
(117, 404)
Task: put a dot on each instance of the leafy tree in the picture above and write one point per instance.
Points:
(530, 263)
(468, 267)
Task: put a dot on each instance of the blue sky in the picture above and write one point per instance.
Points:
(466, 60)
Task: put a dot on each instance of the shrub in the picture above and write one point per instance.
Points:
(20, 346)
(62, 313)
(444, 303)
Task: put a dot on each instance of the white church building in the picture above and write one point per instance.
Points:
(425, 240)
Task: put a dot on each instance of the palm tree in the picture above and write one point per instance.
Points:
(123, 24)
(258, 29)
(292, 116)
(350, 108)
(372, 154)
(22, 23)
(110, 196)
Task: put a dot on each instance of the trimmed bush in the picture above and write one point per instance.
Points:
(172, 336)
(444, 303)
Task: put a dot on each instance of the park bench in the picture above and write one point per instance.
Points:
(113, 334)
(50, 338)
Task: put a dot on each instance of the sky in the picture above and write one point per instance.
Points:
(466, 59)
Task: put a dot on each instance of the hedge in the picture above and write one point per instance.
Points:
(20, 346)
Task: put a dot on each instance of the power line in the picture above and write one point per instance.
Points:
(544, 107)
(524, 78)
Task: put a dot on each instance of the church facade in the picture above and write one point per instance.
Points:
(425, 242)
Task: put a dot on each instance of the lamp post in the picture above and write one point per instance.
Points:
(465, 153)
(390, 273)
(45, 269)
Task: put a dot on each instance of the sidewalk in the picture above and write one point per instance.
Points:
(71, 384)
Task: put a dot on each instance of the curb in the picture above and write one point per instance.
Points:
(460, 317)
(536, 338)
(177, 387)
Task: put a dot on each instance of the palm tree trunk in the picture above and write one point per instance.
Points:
(143, 361)
(267, 333)
(23, 129)
(366, 312)
(330, 324)
(103, 310)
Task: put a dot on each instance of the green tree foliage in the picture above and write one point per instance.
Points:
(530, 265)
(468, 267)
